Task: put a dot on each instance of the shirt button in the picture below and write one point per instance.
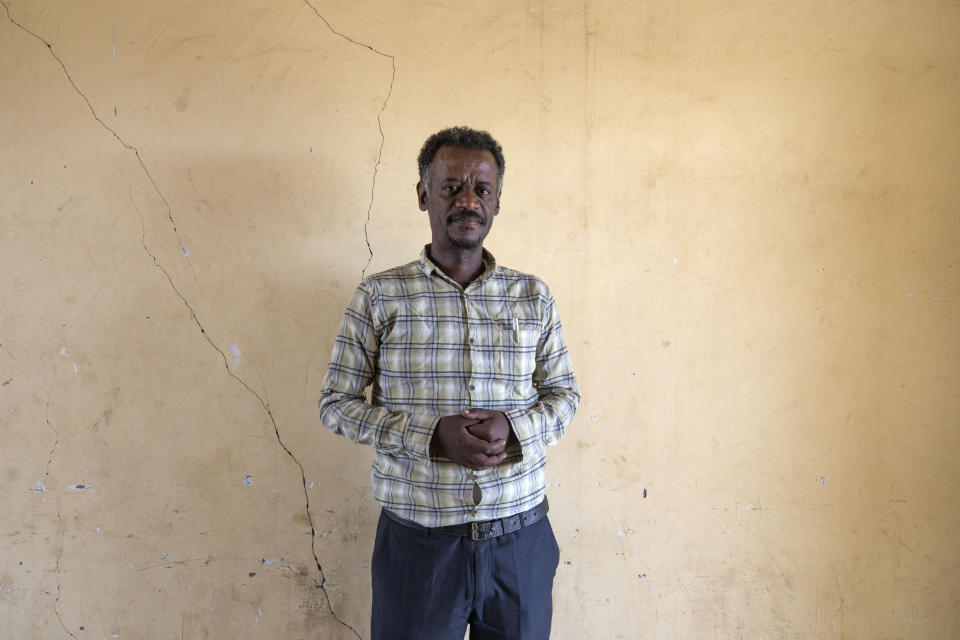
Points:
(471, 340)
(473, 387)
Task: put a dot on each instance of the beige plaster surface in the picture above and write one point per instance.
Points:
(747, 212)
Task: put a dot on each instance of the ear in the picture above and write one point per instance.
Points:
(422, 196)
(496, 207)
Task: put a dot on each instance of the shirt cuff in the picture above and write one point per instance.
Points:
(418, 434)
(526, 432)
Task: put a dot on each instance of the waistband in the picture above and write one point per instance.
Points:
(481, 530)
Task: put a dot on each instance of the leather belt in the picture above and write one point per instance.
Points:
(483, 529)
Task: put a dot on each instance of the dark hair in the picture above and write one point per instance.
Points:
(464, 138)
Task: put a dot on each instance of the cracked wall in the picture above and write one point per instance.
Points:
(752, 236)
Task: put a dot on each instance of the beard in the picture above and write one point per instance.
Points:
(460, 243)
(466, 243)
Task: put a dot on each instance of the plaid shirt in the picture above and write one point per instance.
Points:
(432, 348)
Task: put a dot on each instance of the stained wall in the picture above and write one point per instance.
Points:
(747, 212)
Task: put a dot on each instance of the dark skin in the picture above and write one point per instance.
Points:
(461, 199)
(463, 438)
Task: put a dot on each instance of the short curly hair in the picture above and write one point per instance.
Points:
(464, 138)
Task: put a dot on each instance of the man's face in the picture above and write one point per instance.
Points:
(461, 197)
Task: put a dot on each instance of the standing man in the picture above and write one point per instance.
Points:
(471, 382)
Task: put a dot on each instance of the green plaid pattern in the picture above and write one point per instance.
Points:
(431, 349)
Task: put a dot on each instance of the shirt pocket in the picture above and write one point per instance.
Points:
(515, 341)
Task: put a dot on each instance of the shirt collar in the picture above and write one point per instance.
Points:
(429, 266)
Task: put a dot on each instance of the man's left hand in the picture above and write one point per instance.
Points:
(492, 425)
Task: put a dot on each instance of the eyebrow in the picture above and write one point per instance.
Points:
(479, 183)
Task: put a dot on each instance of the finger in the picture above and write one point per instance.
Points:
(466, 423)
(485, 462)
(489, 430)
(480, 446)
(497, 459)
(496, 447)
(487, 448)
(472, 441)
(473, 447)
(480, 430)
(477, 414)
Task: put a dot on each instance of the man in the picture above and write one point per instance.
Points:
(471, 381)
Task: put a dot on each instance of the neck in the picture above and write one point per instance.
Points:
(463, 266)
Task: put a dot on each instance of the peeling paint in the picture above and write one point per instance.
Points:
(63, 352)
(236, 354)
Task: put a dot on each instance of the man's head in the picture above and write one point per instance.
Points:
(461, 172)
(464, 138)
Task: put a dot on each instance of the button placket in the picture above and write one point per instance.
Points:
(469, 316)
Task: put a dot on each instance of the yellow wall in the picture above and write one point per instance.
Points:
(747, 212)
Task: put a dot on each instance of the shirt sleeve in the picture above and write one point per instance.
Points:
(343, 406)
(558, 394)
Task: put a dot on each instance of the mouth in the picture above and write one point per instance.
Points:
(466, 218)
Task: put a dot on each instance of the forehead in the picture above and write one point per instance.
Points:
(459, 164)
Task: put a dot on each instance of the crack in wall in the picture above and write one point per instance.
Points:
(42, 488)
(69, 326)
(376, 166)
(205, 561)
(321, 584)
(56, 609)
(41, 484)
(113, 132)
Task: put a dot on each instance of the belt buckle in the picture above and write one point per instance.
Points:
(480, 530)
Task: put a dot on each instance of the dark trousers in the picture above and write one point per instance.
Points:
(431, 586)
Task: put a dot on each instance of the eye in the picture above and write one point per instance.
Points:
(450, 188)
(483, 191)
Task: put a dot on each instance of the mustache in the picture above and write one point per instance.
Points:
(466, 214)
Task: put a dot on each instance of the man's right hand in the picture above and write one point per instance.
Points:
(452, 440)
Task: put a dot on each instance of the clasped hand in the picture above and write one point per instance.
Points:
(474, 438)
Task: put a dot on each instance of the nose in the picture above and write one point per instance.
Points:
(467, 199)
